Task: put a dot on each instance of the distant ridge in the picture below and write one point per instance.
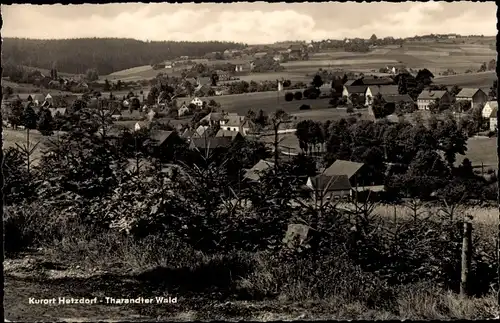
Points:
(108, 55)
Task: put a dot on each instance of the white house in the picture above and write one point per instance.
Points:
(488, 108)
(232, 122)
(197, 102)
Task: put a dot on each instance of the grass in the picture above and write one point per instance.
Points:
(12, 137)
(480, 80)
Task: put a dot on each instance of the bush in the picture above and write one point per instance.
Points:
(312, 96)
(350, 110)
(289, 96)
(298, 95)
(305, 107)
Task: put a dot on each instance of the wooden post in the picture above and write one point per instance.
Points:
(466, 255)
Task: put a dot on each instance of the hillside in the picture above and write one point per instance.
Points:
(108, 55)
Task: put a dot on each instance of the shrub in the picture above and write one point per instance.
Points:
(298, 95)
(305, 107)
(350, 110)
(289, 96)
(312, 96)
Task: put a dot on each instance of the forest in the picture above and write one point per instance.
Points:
(107, 55)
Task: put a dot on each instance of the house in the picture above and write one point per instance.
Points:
(394, 100)
(183, 110)
(164, 139)
(353, 171)
(223, 76)
(373, 90)
(253, 174)
(197, 101)
(229, 133)
(493, 119)
(476, 97)
(215, 117)
(37, 99)
(329, 187)
(359, 90)
(222, 91)
(213, 143)
(426, 97)
(488, 108)
(201, 132)
(231, 122)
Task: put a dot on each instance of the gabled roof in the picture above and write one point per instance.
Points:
(204, 80)
(384, 89)
(253, 173)
(343, 167)
(376, 81)
(55, 111)
(397, 98)
(467, 93)
(234, 120)
(330, 183)
(349, 82)
(187, 133)
(211, 143)
(228, 133)
(358, 89)
(160, 136)
(431, 95)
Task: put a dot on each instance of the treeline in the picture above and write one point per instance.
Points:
(107, 55)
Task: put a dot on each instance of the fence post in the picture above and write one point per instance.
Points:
(466, 255)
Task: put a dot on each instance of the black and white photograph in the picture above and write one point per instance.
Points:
(250, 161)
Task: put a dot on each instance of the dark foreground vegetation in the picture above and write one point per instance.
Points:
(186, 222)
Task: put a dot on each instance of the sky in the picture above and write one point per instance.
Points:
(251, 23)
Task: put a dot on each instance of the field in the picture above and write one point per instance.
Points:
(12, 137)
(267, 101)
(480, 80)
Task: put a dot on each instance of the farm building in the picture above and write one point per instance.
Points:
(211, 144)
(352, 170)
(426, 97)
(394, 100)
(493, 119)
(384, 90)
(359, 90)
(329, 187)
(476, 97)
(231, 122)
(488, 108)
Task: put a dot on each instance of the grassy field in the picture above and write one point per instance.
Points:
(12, 137)
(480, 80)
(267, 101)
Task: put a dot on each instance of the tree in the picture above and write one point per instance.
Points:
(455, 90)
(402, 87)
(483, 67)
(107, 85)
(298, 95)
(92, 74)
(289, 96)
(214, 78)
(45, 123)
(15, 114)
(373, 39)
(317, 81)
(425, 77)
